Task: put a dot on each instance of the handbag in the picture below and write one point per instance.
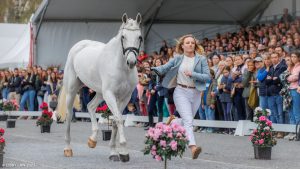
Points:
(253, 98)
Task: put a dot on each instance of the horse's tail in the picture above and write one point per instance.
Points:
(61, 106)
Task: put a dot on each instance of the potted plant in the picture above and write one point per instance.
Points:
(45, 120)
(7, 107)
(164, 141)
(2, 145)
(262, 137)
(105, 113)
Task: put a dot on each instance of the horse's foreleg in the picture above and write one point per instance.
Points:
(111, 101)
(114, 156)
(92, 105)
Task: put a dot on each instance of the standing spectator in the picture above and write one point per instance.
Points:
(261, 76)
(275, 101)
(14, 86)
(28, 89)
(293, 79)
(190, 72)
(286, 17)
(164, 48)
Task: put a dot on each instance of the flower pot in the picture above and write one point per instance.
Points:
(10, 123)
(106, 134)
(263, 153)
(45, 129)
(3, 117)
(1, 158)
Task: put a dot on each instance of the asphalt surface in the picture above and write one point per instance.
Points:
(27, 147)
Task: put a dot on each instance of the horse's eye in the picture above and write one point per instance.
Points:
(123, 37)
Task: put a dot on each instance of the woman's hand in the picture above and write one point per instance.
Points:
(188, 73)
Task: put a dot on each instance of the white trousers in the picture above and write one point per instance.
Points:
(187, 102)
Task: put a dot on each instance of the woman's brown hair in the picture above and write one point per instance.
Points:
(198, 48)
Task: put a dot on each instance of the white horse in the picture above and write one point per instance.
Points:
(109, 70)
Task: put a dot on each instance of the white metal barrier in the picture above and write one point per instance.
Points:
(242, 127)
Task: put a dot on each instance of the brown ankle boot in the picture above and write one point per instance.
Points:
(196, 152)
(170, 119)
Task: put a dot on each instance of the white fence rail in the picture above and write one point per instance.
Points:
(242, 127)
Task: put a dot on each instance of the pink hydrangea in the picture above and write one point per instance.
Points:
(178, 135)
(269, 123)
(262, 118)
(167, 129)
(163, 143)
(173, 145)
(153, 147)
(170, 135)
(153, 152)
(158, 158)
(261, 141)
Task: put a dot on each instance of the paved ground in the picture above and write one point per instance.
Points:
(28, 148)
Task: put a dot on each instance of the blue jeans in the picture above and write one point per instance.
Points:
(295, 108)
(276, 106)
(263, 102)
(202, 113)
(5, 92)
(40, 101)
(27, 96)
(226, 106)
(209, 113)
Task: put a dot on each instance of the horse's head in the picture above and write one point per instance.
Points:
(131, 39)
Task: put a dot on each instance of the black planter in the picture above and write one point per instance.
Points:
(1, 158)
(45, 129)
(10, 123)
(3, 117)
(12, 117)
(106, 134)
(263, 153)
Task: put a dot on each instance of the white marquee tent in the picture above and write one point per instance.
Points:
(14, 45)
(59, 24)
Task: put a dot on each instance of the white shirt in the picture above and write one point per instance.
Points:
(186, 65)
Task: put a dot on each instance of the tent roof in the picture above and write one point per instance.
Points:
(153, 11)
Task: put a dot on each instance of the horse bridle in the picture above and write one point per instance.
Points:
(135, 50)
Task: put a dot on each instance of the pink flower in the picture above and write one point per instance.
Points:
(250, 138)
(261, 141)
(256, 142)
(158, 158)
(262, 118)
(262, 134)
(170, 135)
(269, 123)
(178, 135)
(163, 143)
(153, 152)
(157, 134)
(173, 145)
(254, 131)
(175, 127)
(167, 129)
(159, 125)
(153, 147)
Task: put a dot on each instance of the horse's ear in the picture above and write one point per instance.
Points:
(139, 18)
(124, 18)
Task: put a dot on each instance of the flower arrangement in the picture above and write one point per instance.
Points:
(46, 117)
(2, 140)
(164, 141)
(263, 135)
(105, 112)
(9, 105)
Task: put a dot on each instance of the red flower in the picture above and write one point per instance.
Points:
(44, 106)
(2, 131)
(2, 140)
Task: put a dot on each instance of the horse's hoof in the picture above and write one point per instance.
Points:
(68, 152)
(114, 158)
(92, 143)
(124, 157)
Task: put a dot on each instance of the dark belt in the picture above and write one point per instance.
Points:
(185, 86)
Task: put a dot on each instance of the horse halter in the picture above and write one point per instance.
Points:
(135, 50)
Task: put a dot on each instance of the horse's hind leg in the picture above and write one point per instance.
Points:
(92, 105)
(71, 90)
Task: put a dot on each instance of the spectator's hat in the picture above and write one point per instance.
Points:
(258, 59)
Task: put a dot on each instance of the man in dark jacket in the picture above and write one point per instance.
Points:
(14, 86)
(275, 102)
